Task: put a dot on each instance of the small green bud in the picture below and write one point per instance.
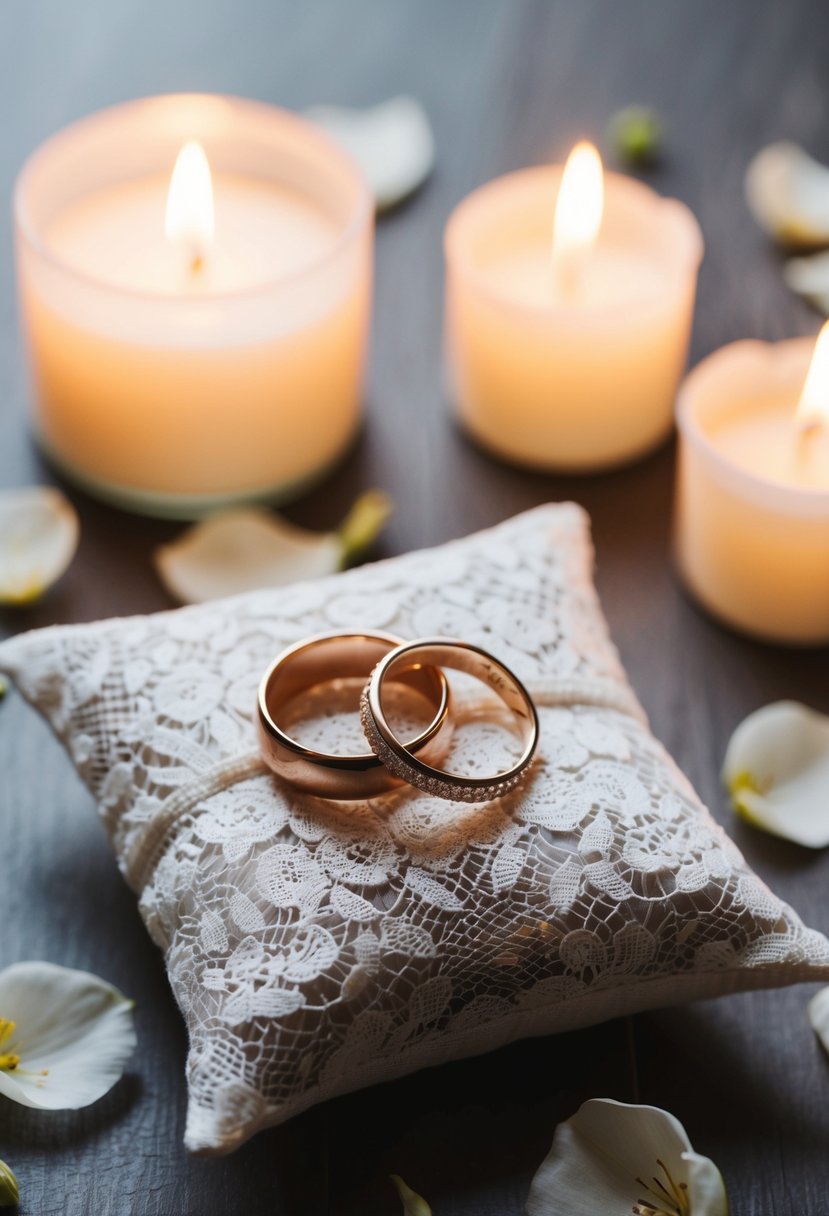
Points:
(636, 133)
(9, 1191)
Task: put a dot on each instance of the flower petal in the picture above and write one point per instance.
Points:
(242, 550)
(706, 1187)
(392, 143)
(248, 548)
(776, 769)
(413, 1204)
(74, 1034)
(819, 1016)
(39, 533)
(809, 277)
(605, 1156)
(788, 194)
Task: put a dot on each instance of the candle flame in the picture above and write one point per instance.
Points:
(578, 215)
(813, 407)
(189, 219)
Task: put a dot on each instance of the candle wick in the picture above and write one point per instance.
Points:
(196, 262)
(807, 430)
(567, 274)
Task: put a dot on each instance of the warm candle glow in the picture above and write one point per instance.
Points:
(578, 215)
(189, 219)
(813, 407)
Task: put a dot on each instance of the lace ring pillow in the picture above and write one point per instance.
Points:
(315, 946)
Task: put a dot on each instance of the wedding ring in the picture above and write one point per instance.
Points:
(397, 755)
(333, 657)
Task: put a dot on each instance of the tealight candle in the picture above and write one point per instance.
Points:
(752, 521)
(569, 298)
(195, 282)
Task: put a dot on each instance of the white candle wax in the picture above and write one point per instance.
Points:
(610, 277)
(171, 384)
(266, 232)
(568, 373)
(752, 520)
(762, 437)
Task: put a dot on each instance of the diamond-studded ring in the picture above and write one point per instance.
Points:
(460, 656)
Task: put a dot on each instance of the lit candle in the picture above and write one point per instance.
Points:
(752, 523)
(569, 298)
(195, 281)
(190, 215)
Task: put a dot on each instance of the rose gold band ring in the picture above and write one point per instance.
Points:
(340, 656)
(397, 755)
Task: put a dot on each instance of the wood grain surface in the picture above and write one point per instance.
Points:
(506, 84)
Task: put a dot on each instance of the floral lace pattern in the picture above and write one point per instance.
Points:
(315, 946)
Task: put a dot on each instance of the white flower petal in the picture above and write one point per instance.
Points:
(600, 1154)
(243, 550)
(74, 1035)
(819, 1016)
(248, 548)
(706, 1187)
(392, 143)
(809, 277)
(39, 532)
(788, 194)
(776, 769)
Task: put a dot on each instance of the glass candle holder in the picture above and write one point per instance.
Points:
(171, 384)
(751, 531)
(564, 384)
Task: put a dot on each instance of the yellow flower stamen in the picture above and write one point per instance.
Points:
(8, 1059)
(744, 783)
(670, 1200)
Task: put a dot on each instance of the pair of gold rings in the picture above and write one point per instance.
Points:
(382, 660)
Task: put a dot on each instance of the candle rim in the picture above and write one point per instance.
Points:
(360, 213)
(457, 259)
(690, 428)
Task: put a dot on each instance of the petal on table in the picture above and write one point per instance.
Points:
(74, 1034)
(610, 1156)
(392, 143)
(706, 1187)
(809, 277)
(39, 533)
(819, 1016)
(242, 550)
(788, 194)
(249, 548)
(776, 769)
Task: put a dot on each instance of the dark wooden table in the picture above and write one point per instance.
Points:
(506, 84)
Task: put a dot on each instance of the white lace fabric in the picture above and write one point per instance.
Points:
(315, 947)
